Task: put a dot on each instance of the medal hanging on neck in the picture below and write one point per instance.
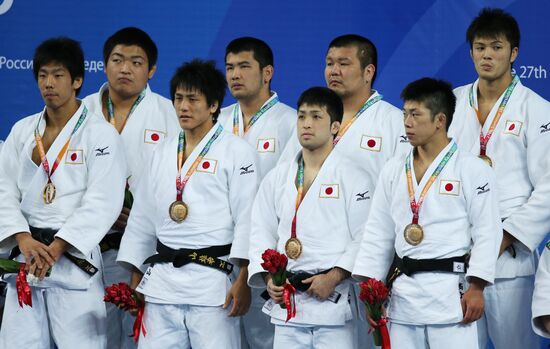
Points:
(370, 102)
(484, 139)
(293, 246)
(111, 109)
(49, 191)
(256, 117)
(178, 210)
(414, 233)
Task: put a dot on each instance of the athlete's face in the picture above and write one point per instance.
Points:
(192, 109)
(244, 76)
(420, 125)
(314, 127)
(56, 85)
(127, 70)
(343, 72)
(493, 57)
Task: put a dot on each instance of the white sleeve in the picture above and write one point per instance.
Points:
(357, 209)
(265, 224)
(243, 185)
(484, 217)
(377, 248)
(531, 222)
(101, 203)
(139, 239)
(541, 296)
(13, 220)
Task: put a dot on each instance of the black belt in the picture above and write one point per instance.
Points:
(46, 236)
(295, 279)
(409, 266)
(110, 242)
(204, 256)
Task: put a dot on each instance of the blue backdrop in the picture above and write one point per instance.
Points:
(414, 39)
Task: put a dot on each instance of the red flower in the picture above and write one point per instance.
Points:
(273, 261)
(373, 291)
(122, 296)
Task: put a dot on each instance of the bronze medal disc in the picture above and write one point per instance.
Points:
(293, 248)
(487, 160)
(48, 194)
(178, 211)
(414, 234)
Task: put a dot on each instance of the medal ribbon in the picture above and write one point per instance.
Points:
(289, 300)
(415, 206)
(111, 109)
(24, 295)
(40, 145)
(262, 111)
(484, 139)
(180, 184)
(365, 106)
(300, 182)
(139, 324)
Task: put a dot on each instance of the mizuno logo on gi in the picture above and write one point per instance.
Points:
(362, 196)
(403, 139)
(102, 151)
(483, 189)
(545, 128)
(246, 169)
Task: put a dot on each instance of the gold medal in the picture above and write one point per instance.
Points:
(293, 248)
(414, 234)
(178, 211)
(48, 194)
(487, 160)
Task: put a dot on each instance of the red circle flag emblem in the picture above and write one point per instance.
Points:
(329, 191)
(371, 143)
(266, 145)
(74, 157)
(449, 187)
(155, 137)
(205, 165)
(512, 127)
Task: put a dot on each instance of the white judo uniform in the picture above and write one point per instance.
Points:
(541, 296)
(183, 305)
(153, 120)
(68, 306)
(459, 214)
(329, 225)
(518, 149)
(269, 135)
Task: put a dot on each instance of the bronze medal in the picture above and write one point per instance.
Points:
(178, 211)
(293, 248)
(48, 194)
(414, 234)
(487, 160)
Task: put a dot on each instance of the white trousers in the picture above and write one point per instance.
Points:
(184, 326)
(318, 337)
(256, 327)
(507, 318)
(69, 318)
(452, 336)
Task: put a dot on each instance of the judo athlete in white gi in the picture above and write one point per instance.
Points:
(62, 177)
(194, 204)
(320, 200)
(505, 122)
(541, 296)
(431, 208)
(266, 124)
(143, 119)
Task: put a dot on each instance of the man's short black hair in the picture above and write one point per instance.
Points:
(260, 50)
(201, 76)
(130, 36)
(366, 50)
(64, 51)
(323, 97)
(492, 22)
(437, 96)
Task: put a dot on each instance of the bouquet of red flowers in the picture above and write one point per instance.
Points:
(275, 264)
(374, 293)
(126, 298)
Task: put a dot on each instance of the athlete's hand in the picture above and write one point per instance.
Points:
(239, 294)
(275, 292)
(373, 324)
(545, 320)
(321, 286)
(472, 302)
(37, 255)
(122, 220)
(135, 279)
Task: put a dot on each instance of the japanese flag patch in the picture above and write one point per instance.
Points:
(74, 157)
(329, 191)
(513, 127)
(266, 145)
(449, 187)
(371, 143)
(153, 136)
(208, 166)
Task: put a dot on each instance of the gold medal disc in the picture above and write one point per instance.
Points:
(48, 194)
(487, 160)
(293, 248)
(178, 211)
(414, 234)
